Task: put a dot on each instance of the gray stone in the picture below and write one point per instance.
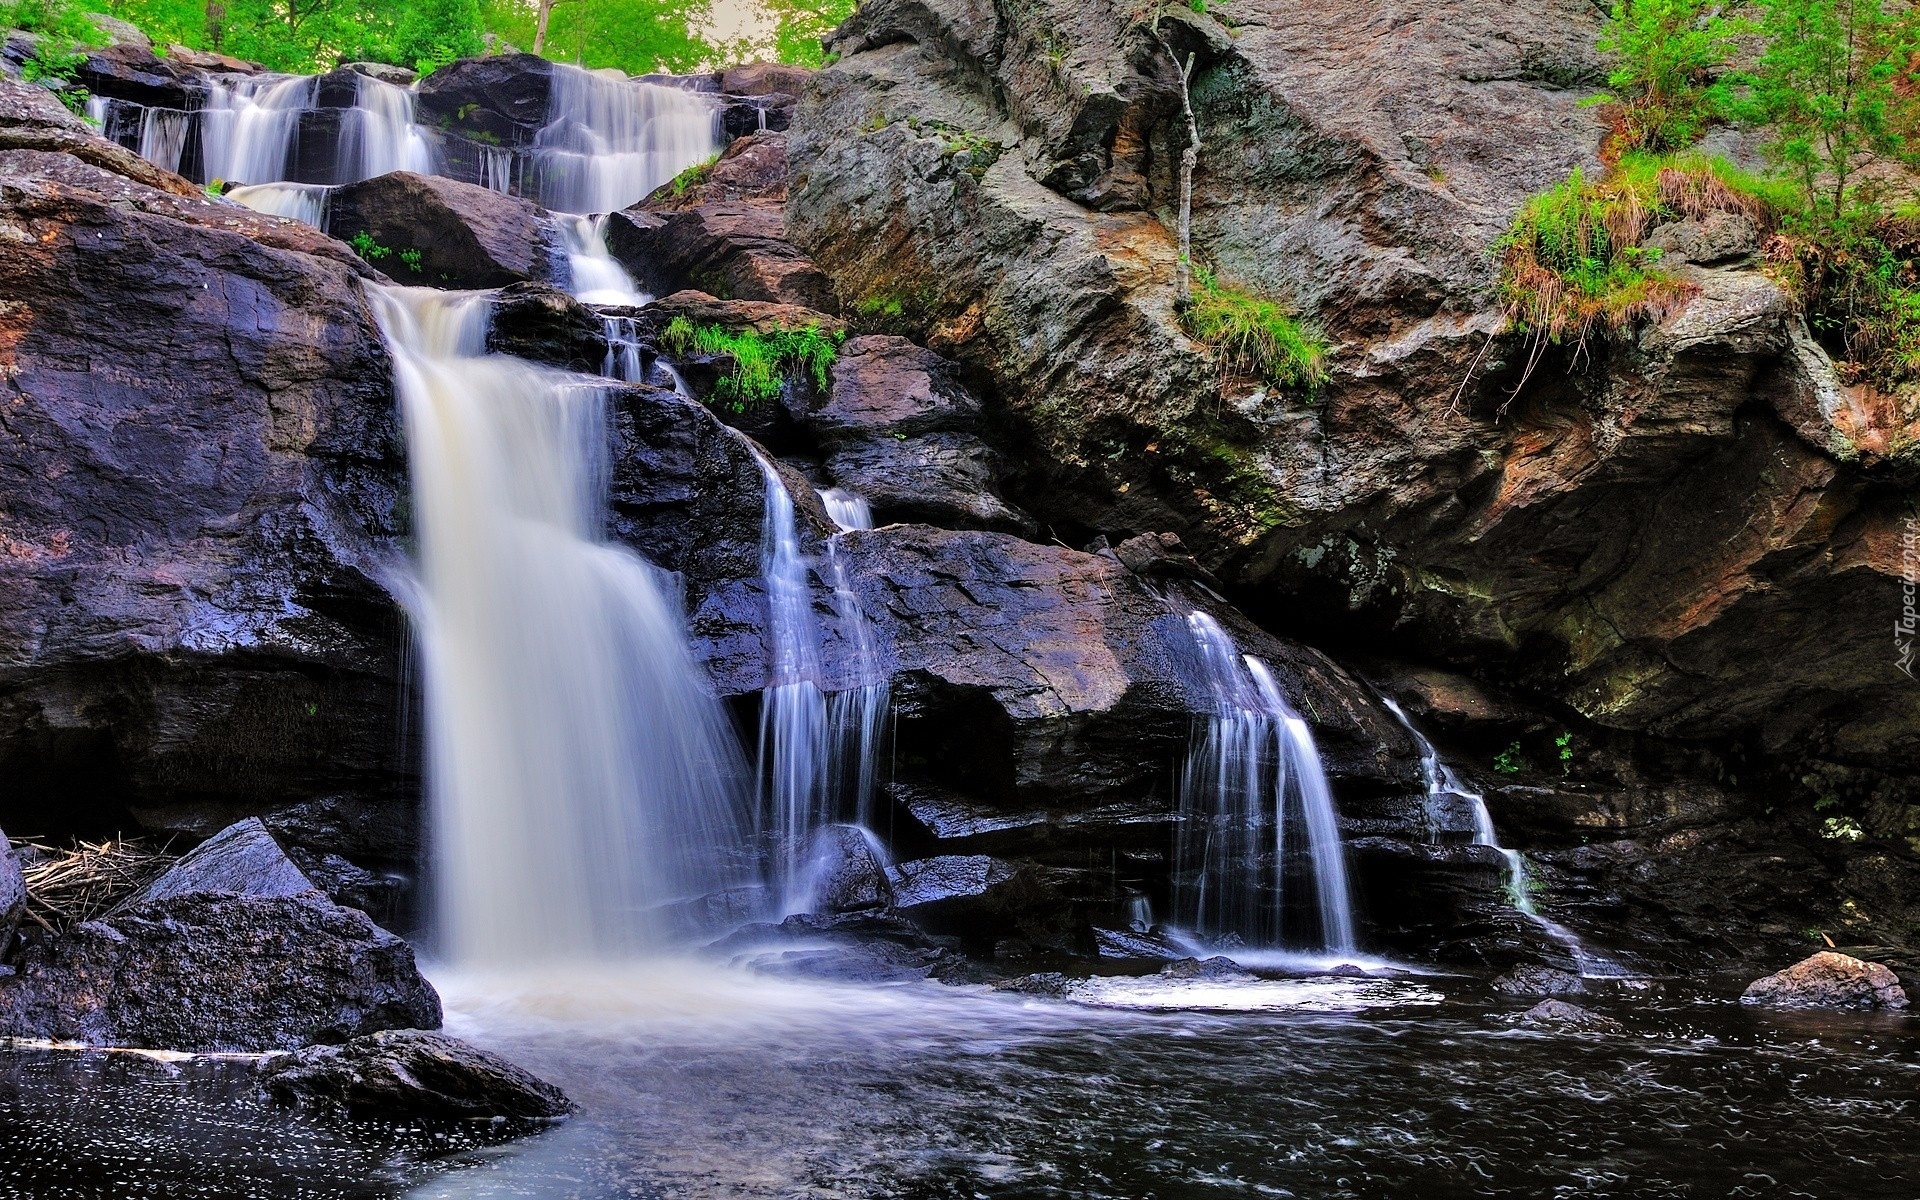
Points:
(466, 236)
(1558, 1014)
(1715, 238)
(847, 870)
(205, 972)
(411, 1073)
(1828, 980)
(243, 859)
(1539, 981)
(13, 894)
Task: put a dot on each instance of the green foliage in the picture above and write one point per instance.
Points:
(1666, 56)
(798, 26)
(693, 176)
(1511, 761)
(411, 258)
(1826, 86)
(182, 22)
(61, 24)
(1563, 745)
(1253, 336)
(762, 362)
(366, 246)
(637, 36)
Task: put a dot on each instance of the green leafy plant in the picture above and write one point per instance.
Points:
(365, 245)
(1563, 746)
(1511, 761)
(693, 176)
(1667, 56)
(412, 260)
(762, 362)
(1251, 335)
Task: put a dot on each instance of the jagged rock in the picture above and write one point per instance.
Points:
(192, 625)
(466, 236)
(13, 894)
(1828, 980)
(398, 76)
(745, 117)
(729, 249)
(952, 889)
(207, 60)
(1217, 967)
(541, 323)
(764, 78)
(119, 32)
(498, 99)
(129, 71)
(33, 119)
(1539, 981)
(1558, 1014)
(1127, 943)
(243, 860)
(1716, 238)
(941, 478)
(750, 168)
(845, 872)
(210, 972)
(411, 1073)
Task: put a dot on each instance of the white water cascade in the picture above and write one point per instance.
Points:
(584, 783)
(1253, 773)
(819, 750)
(1444, 788)
(247, 126)
(609, 140)
(594, 275)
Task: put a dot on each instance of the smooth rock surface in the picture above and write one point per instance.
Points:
(411, 1073)
(218, 973)
(243, 860)
(466, 236)
(1828, 980)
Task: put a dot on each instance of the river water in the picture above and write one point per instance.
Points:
(700, 1082)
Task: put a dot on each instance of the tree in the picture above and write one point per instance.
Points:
(798, 27)
(637, 36)
(1666, 54)
(1826, 87)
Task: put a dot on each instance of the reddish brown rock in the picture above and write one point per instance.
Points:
(730, 249)
(1828, 980)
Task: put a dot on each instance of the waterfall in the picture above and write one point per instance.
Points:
(594, 276)
(1254, 772)
(609, 140)
(301, 201)
(819, 750)
(1445, 788)
(583, 781)
(384, 134)
(248, 125)
(849, 510)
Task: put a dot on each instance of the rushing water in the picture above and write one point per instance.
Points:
(583, 781)
(1252, 774)
(697, 1084)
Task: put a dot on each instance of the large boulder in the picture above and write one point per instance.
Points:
(1559, 1016)
(500, 99)
(204, 486)
(411, 1073)
(211, 972)
(464, 236)
(134, 72)
(243, 860)
(1617, 538)
(1828, 980)
(846, 871)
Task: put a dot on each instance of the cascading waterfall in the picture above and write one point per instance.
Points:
(1254, 772)
(609, 140)
(856, 716)
(583, 780)
(594, 275)
(819, 751)
(301, 201)
(248, 124)
(384, 136)
(1445, 789)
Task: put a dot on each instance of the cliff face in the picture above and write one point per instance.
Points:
(1691, 531)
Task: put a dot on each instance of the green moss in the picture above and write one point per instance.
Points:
(1253, 335)
(762, 362)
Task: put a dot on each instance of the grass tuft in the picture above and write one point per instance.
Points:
(762, 362)
(1250, 335)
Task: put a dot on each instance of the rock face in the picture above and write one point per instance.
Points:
(410, 1073)
(1828, 980)
(1616, 540)
(242, 859)
(464, 236)
(191, 623)
(13, 894)
(846, 872)
(212, 972)
(501, 98)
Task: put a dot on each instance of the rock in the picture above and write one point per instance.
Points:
(1218, 967)
(242, 860)
(764, 78)
(411, 1073)
(119, 32)
(207, 60)
(1558, 1014)
(131, 71)
(13, 895)
(205, 972)
(1828, 980)
(746, 117)
(500, 99)
(847, 871)
(1126, 943)
(1539, 981)
(885, 385)
(955, 890)
(751, 168)
(466, 236)
(1041, 983)
(200, 510)
(1716, 238)
(539, 322)
(385, 72)
(33, 119)
(729, 249)
(944, 479)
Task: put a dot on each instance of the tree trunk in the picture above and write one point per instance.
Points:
(1189, 155)
(540, 25)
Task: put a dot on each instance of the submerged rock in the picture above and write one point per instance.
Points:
(1558, 1014)
(412, 1073)
(243, 859)
(1828, 980)
(208, 972)
(1539, 981)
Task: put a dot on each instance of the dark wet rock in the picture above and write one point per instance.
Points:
(378, 893)
(243, 860)
(218, 973)
(1042, 983)
(466, 236)
(868, 946)
(1218, 967)
(398, 76)
(950, 890)
(746, 117)
(1558, 1014)
(204, 488)
(945, 479)
(729, 249)
(13, 895)
(541, 323)
(1828, 980)
(133, 72)
(855, 962)
(33, 119)
(885, 385)
(1539, 981)
(499, 99)
(1129, 943)
(846, 872)
(411, 1073)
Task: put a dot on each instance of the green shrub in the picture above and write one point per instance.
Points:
(1253, 336)
(762, 362)
(1666, 57)
(366, 246)
(693, 176)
